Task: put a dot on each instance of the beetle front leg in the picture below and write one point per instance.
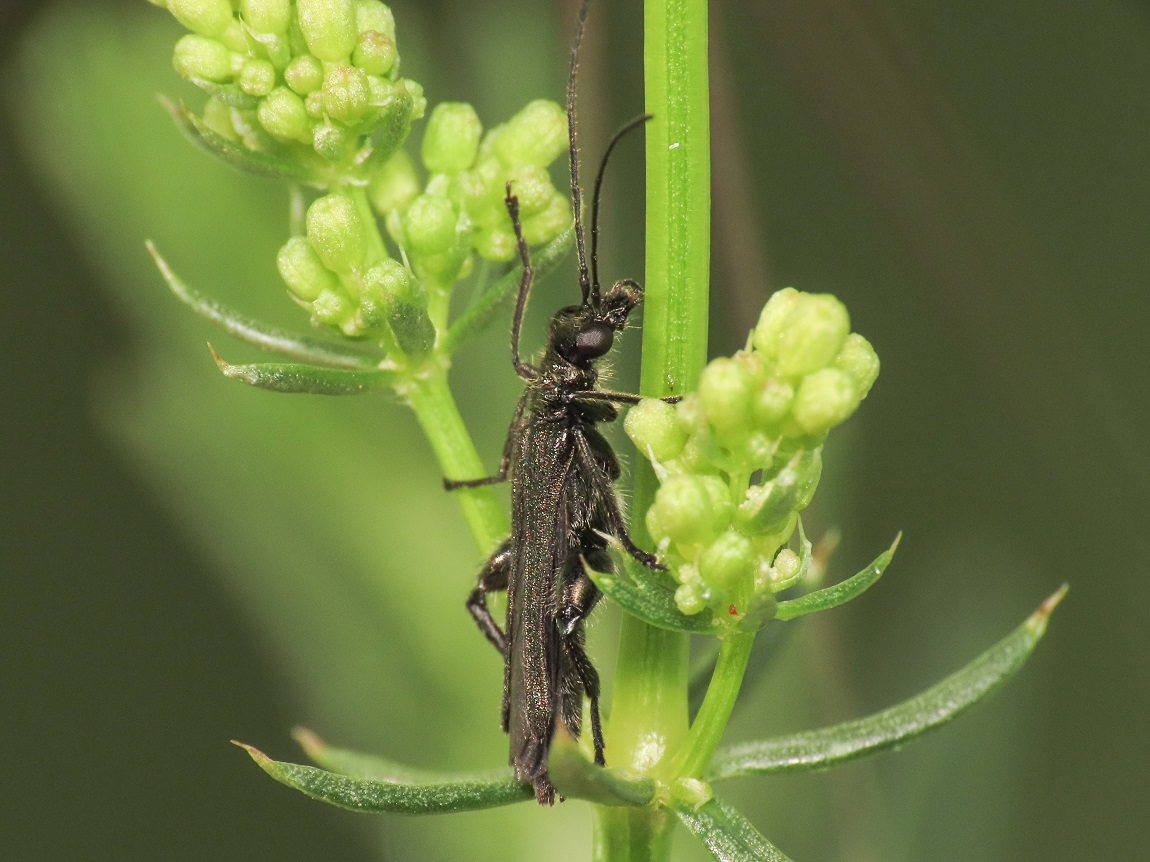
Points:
(613, 515)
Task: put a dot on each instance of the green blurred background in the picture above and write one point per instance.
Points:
(185, 560)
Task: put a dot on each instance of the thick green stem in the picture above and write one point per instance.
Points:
(649, 710)
(431, 399)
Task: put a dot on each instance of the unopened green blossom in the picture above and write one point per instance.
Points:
(206, 17)
(201, 57)
(328, 27)
(740, 458)
(267, 16)
(451, 140)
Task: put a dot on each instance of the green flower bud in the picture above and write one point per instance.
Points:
(393, 278)
(374, 15)
(379, 91)
(394, 185)
(787, 568)
(495, 244)
(690, 509)
(700, 454)
(304, 74)
(858, 359)
(452, 138)
(537, 135)
(313, 104)
(236, 38)
(201, 57)
(303, 271)
(546, 225)
(481, 193)
(728, 563)
(689, 599)
(267, 16)
(258, 77)
(815, 332)
(335, 308)
(328, 27)
(654, 428)
(824, 399)
(430, 225)
(336, 232)
(332, 141)
(345, 93)
(206, 17)
(772, 321)
(282, 113)
(531, 184)
(725, 391)
(375, 52)
(772, 401)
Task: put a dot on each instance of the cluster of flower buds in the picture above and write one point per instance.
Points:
(335, 273)
(461, 208)
(348, 282)
(741, 457)
(298, 76)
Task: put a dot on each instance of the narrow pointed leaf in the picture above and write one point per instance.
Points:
(646, 595)
(358, 765)
(819, 749)
(235, 154)
(261, 335)
(494, 300)
(576, 777)
(726, 833)
(306, 379)
(830, 597)
(469, 793)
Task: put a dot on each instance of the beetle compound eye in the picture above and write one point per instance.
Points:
(594, 341)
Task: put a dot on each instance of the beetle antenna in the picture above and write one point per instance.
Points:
(634, 124)
(573, 154)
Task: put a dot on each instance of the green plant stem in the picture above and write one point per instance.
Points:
(431, 399)
(715, 712)
(649, 709)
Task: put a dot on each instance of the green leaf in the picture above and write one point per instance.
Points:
(261, 335)
(647, 595)
(235, 154)
(414, 332)
(727, 834)
(819, 749)
(306, 379)
(830, 597)
(576, 777)
(467, 793)
(479, 315)
(358, 765)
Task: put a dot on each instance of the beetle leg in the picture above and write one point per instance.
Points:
(504, 462)
(575, 604)
(615, 523)
(492, 578)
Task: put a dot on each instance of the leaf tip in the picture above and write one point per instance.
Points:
(1038, 620)
(310, 742)
(265, 763)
